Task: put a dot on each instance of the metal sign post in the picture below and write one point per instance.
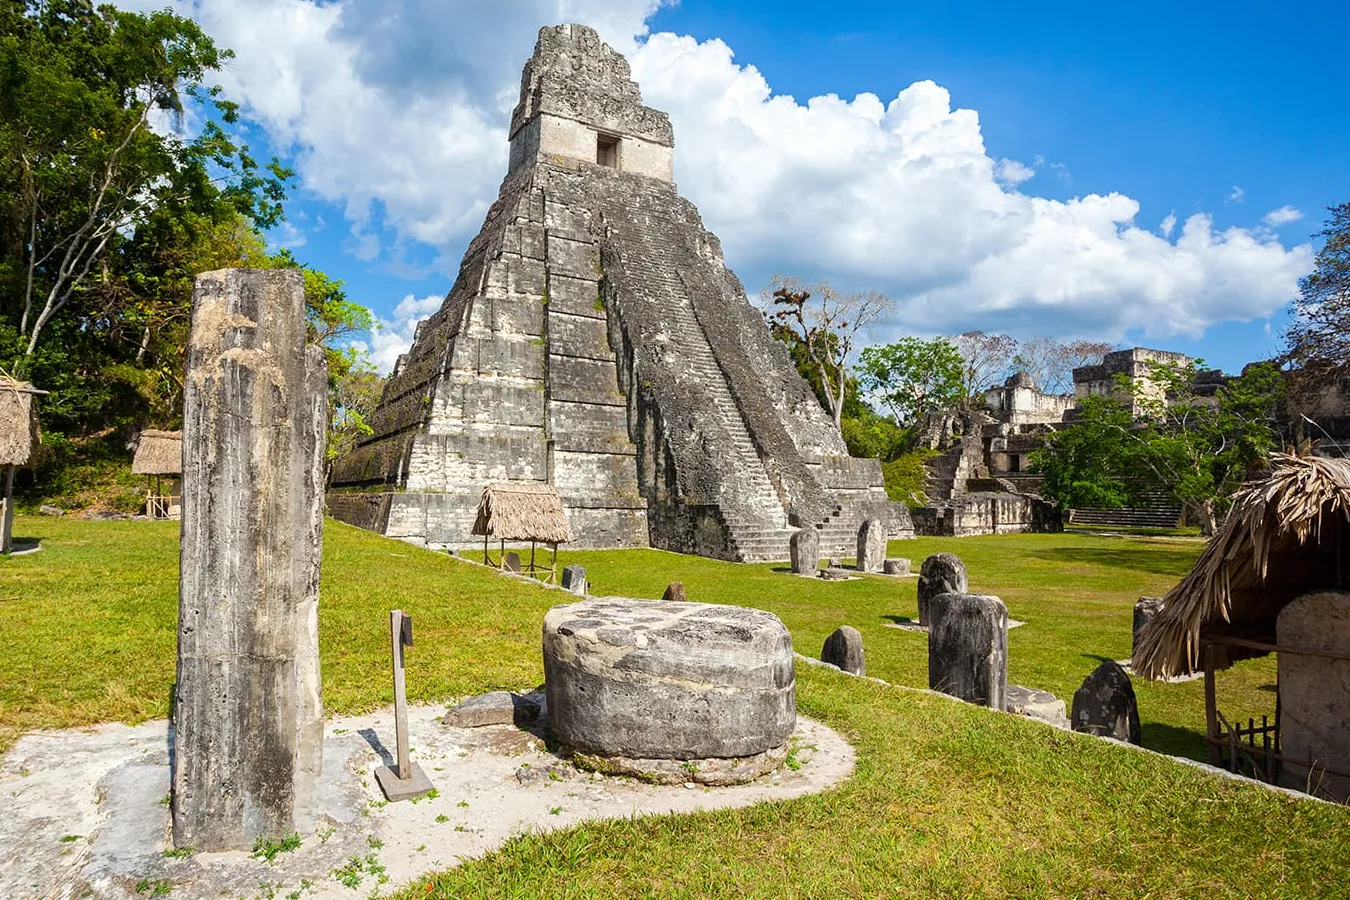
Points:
(409, 780)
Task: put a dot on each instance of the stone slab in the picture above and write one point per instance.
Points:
(493, 708)
(417, 784)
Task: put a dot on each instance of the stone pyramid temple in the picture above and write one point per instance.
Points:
(594, 340)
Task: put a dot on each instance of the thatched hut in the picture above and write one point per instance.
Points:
(159, 454)
(520, 511)
(1273, 580)
(18, 441)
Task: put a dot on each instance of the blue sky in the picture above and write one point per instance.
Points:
(1044, 210)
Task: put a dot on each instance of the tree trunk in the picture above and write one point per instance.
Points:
(1203, 511)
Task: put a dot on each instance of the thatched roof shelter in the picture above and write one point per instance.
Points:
(18, 422)
(522, 511)
(158, 453)
(1286, 536)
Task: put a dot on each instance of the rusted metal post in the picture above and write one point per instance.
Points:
(408, 780)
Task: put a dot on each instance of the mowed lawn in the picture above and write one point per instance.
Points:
(947, 799)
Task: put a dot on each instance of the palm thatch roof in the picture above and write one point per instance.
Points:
(158, 453)
(522, 511)
(1286, 536)
(18, 422)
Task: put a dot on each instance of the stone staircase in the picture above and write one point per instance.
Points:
(755, 519)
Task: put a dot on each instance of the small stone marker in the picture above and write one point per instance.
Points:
(248, 721)
(1144, 612)
(511, 562)
(804, 548)
(968, 648)
(574, 580)
(409, 781)
(674, 592)
(494, 708)
(1105, 705)
(836, 562)
(871, 545)
(1034, 704)
(941, 573)
(898, 566)
(844, 648)
(834, 573)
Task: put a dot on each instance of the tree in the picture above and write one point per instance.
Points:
(1320, 332)
(1050, 362)
(827, 326)
(88, 151)
(353, 398)
(1197, 449)
(986, 358)
(914, 378)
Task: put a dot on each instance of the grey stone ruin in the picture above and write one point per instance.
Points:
(511, 562)
(1315, 694)
(247, 711)
(1105, 705)
(941, 573)
(871, 545)
(1144, 612)
(492, 708)
(670, 692)
(968, 648)
(804, 550)
(574, 580)
(896, 566)
(844, 649)
(595, 340)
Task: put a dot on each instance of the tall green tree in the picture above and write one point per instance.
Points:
(90, 148)
(1320, 332)
(1197, 448)
(914, 377)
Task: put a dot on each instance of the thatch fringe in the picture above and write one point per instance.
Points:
(18, 422)
(1286, 536)
(522, 511)
(158, 453)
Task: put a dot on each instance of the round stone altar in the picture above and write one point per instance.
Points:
(670, 691)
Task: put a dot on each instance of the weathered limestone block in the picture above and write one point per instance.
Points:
(247, 710)
(493, 708)
(674, 592)
(1105, 705)
(642, 679)
(871, 545)
(1315, 694)
(574, 580)
(804, 550)
(1034, 704)
(968, 648)
(844, 648)
(897, 566)
(941, 573)
(1144, 611)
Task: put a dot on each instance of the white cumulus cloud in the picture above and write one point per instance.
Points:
(397, 111)
(1282, 216)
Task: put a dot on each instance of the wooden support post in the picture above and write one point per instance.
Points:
(1207, 652)
(409, 780)
(7, 513)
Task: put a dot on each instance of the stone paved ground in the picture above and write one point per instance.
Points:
(83, 812)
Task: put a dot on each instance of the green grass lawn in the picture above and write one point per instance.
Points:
(947, 799)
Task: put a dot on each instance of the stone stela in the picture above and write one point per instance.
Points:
(247, 712)
(407, 780)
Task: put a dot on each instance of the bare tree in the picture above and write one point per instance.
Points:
(987, 360)
(826, 325)
(1050, 362)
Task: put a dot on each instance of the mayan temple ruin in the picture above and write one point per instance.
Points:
(594, 340)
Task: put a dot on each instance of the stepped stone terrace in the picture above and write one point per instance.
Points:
(595, 341)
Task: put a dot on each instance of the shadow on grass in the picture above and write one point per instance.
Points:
(1173, 741)
(1156, 561)
(901, 620)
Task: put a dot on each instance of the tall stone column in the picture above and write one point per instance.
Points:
(247, 709)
